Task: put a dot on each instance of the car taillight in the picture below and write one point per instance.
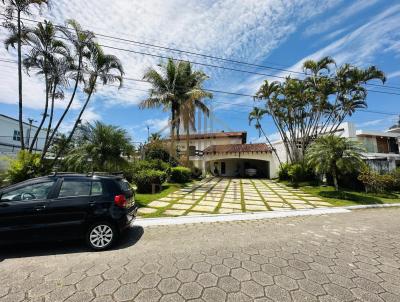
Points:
(120, 201)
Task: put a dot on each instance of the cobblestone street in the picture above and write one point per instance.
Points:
(338, 257)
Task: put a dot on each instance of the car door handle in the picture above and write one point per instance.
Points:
(92, 203)
(39, 208)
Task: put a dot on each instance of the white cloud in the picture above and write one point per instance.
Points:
(156, 125)
(227, 28)
(358, 47)
(336, 19)
(273, 137)
(394, 74)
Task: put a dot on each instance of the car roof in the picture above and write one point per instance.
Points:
(70, 175)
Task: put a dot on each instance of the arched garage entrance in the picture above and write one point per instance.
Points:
(239, 167)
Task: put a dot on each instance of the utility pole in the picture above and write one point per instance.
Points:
(31, 121)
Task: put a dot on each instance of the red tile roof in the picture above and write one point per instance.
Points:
(195, 136)
(237, 148)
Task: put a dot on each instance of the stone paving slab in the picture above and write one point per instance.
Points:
(228, 194)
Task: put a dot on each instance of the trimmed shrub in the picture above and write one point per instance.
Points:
(25, 166)
(375, 182)
(296, 173)
(144, 179)
(180, 174)
(141, 165)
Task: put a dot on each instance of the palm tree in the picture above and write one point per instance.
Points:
(81, 41)
(107, 68)
(155, 136)
(17, 37)
(57, 77)
(256, 115)
(192, 101)
(173, 83)
(44, 52)
(100, 147)
(333, 154)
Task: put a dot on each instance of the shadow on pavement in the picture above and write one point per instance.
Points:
(129, 238)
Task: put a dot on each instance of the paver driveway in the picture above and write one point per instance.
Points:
(340, 257)
(223, 196)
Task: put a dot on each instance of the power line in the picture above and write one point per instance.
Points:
(206, 56)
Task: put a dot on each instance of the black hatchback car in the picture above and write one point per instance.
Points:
(65, 206)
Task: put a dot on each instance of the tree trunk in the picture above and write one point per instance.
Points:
(46, 107)
(67, 108)
(335, 180)
(46, 142)
(21, 127)
(272, 147)
(187, 147)
(172, 134)
(71, 134)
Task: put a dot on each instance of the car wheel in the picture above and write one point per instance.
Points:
(101, 236)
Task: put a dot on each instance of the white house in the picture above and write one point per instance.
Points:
(228, 154)
(10, 136)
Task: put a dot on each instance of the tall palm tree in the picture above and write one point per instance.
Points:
(173, 83)
(81, 41)
(19, 7)
(59, 68)
(103, 67)
(256, 115)
(333, 154)
(100, 146)
(45, 49)
(193, 99)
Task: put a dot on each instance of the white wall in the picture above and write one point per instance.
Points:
(10, 146)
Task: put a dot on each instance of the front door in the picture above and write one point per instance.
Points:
(223, 168)
(22, 211)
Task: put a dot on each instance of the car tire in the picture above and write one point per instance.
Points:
(101, 236)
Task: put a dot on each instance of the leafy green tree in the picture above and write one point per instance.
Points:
(318, 104)
(99, 147)
(106, 68)
(17, 33)
(43, 58)
(333, 154)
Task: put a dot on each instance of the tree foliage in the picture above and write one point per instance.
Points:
(333, 154)
(303, 109)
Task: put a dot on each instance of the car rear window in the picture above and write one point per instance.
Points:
(124, 185)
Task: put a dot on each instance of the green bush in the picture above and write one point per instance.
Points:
(196, 172)
(26, 165)
(375, 182)
(283, 173)
(140, 165)
(296, 173)
(180, 174)
(144, 179)
(396, 176)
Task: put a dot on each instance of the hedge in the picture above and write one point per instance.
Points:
(144, 179)
(180, 174)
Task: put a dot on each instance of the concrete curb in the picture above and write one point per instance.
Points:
(144, 222)
(372, 206)
(235, 217)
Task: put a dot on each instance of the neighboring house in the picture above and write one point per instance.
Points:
(227, 154)
(382, 146)
(10, 136)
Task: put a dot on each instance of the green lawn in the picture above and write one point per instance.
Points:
(143, 199)
(346, 197)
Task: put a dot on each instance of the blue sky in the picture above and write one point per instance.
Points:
(267, 32)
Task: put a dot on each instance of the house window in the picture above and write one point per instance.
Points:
(192, 150)
(17, 135)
